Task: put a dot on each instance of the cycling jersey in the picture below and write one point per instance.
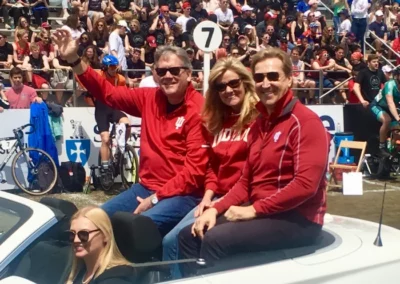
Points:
(379, 105)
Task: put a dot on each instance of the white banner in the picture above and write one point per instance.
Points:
(81, 139)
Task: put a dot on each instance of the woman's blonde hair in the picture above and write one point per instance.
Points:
(215, 112)
(110, 256)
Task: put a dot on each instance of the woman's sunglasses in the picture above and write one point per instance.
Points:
(83, 235)
(175, 71)
(271, 76)
(221, 87)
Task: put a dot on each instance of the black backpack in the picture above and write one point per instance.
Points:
(73, 176)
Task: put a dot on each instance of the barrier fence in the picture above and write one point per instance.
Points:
(198, 85)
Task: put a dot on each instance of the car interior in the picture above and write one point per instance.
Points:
(49, 258)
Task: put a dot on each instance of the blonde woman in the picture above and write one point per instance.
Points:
(228, 113)
(97, 257)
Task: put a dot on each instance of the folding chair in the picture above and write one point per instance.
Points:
(352, 168)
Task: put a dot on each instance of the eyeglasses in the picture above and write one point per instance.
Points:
(84, 38)
(271, 76)
(83, 235)
(270, 30)
(175, 71)
(221, 87)
(166, 12)
(235, 53)
(330, 30)
(100, 25)
(311, 15)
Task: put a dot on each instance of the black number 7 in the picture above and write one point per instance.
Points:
(210, 34)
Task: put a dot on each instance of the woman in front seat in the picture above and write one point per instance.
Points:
(97, 258)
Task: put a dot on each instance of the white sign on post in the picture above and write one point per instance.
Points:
(208, 37)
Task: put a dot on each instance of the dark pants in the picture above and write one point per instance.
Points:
(358, 27)
(285, 230)
(166, 214)
(40, 16)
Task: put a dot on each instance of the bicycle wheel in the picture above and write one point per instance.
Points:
(129, 167)
(34, 171)
(106, 177)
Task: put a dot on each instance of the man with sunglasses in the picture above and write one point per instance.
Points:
(173, 150)
(279, 202)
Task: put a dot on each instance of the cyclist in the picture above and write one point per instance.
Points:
(105, 115)
(384, 107)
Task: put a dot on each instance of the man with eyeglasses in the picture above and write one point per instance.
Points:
(173, 150)
(279, 202)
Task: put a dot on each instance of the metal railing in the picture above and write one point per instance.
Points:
(384, 43)
(320, 88)
(326, 7)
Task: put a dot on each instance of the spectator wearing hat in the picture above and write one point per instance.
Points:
(359, 11)
(387, 70)
(379, 29)
(313, 35)
(250, 32)
(149, 50)
(160, 29)
(185, 17)
(245, 18)
(302, 6)
(224, 15)
(198, 12)
(269, 19)
(313, 9)
(345, 23)
(357, 61)
(116, 44)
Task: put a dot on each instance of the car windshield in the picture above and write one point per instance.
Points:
(12, 216)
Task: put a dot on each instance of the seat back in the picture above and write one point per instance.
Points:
(137, 237)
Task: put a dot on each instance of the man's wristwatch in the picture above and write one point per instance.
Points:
(154, 200)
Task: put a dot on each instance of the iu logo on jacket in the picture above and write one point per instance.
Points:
(228, 134)
(179, 122)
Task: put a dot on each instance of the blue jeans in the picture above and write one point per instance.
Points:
(170, 243)
(358, 27)
(166, 214)
(325, 84)
(336, 24)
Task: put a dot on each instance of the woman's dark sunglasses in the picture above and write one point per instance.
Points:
(83, 236)
(220, 87)
(271, 76)
(175, 71)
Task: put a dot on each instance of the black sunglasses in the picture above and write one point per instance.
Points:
(271, 76)
(82, 235)
(220, 87)
(175, 71)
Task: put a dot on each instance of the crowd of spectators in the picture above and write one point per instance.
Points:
(132, 30)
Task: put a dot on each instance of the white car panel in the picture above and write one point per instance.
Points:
(42, 219)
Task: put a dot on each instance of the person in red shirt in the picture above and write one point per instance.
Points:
(173, 150)
(228, 113)
(19, 95)
(279, 200)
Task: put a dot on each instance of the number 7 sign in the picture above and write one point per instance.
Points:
(208, 37)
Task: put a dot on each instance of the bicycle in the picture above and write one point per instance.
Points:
(33, 170)
(381, 167)
(124, 163)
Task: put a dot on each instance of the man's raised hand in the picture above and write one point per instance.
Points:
(67, 46)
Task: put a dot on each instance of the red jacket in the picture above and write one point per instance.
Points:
(173, 155)
(286, 164)
(228, 155)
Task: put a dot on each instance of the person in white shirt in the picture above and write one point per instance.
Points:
(313, 9)
(359, 12)
(150, 81)
(183, 19)
(224, 15)
(345, 23)
(116, 45)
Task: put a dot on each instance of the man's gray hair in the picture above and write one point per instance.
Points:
(167, 50)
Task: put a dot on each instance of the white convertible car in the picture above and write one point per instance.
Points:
(33, 250)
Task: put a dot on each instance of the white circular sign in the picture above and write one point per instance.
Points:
(207, 36)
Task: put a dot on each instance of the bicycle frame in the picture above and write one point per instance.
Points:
(14, 148)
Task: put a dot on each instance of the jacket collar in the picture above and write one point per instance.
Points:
(162, 99)
(283, 107)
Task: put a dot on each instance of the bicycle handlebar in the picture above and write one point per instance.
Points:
(25, 126)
